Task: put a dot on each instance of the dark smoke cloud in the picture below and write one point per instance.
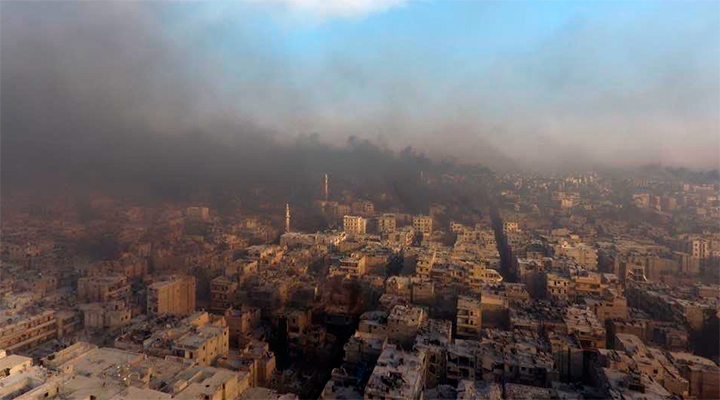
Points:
(95, 94)
(106, 92)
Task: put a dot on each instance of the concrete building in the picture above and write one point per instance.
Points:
(364, 347)
(26, 329)
(353, 265)
(398, 375)
(18, 377)
(203, 345)
(558, 285)
(469, 317)
(584, 255)
(174, 296)
(241, 323)
(702, 374)
(609, 306)
(222, 293)
(264, 360)
(403, 324)
(423, 224)
(433, 339)
(101, 289)
(84, 371)
(584, 325)
(387, 223)
(363, 207)
(355, 225)
(109, 315)
(696, 247)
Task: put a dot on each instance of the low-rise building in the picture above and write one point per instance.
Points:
(584, 325)
(398, 375)
(101, 289)
(109, 315)
(28, 328)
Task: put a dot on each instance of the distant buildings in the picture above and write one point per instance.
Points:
(197, 214)
(363, 207)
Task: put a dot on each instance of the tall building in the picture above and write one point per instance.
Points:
(469, 317)
(174, 296)
(699, 248)
(356, 225)
(423, 224)
(387, 223)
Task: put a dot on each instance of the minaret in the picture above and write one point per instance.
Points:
(287, 217)
(326, 188)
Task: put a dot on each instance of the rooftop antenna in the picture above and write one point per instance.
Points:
(287, 217)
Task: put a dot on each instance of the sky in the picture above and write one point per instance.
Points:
(510, 84)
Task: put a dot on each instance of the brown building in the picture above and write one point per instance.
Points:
(175, 296)
(105, 316)
(27, 330)
(101, 289)
(469, 317)
(702, 374)
(222, 293)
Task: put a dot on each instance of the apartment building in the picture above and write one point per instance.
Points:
(26, 329)
(423, 224)
(363, 207)
(222, 293)
(387, 223)
(109, 315)
(174, 295)
(398, 375)
(469, 317)
(403, 323)
(355, 225)
(101, 289)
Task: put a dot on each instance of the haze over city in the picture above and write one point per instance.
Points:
(360, 199)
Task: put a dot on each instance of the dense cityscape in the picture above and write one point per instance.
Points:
(578, 286)
(360, 199)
